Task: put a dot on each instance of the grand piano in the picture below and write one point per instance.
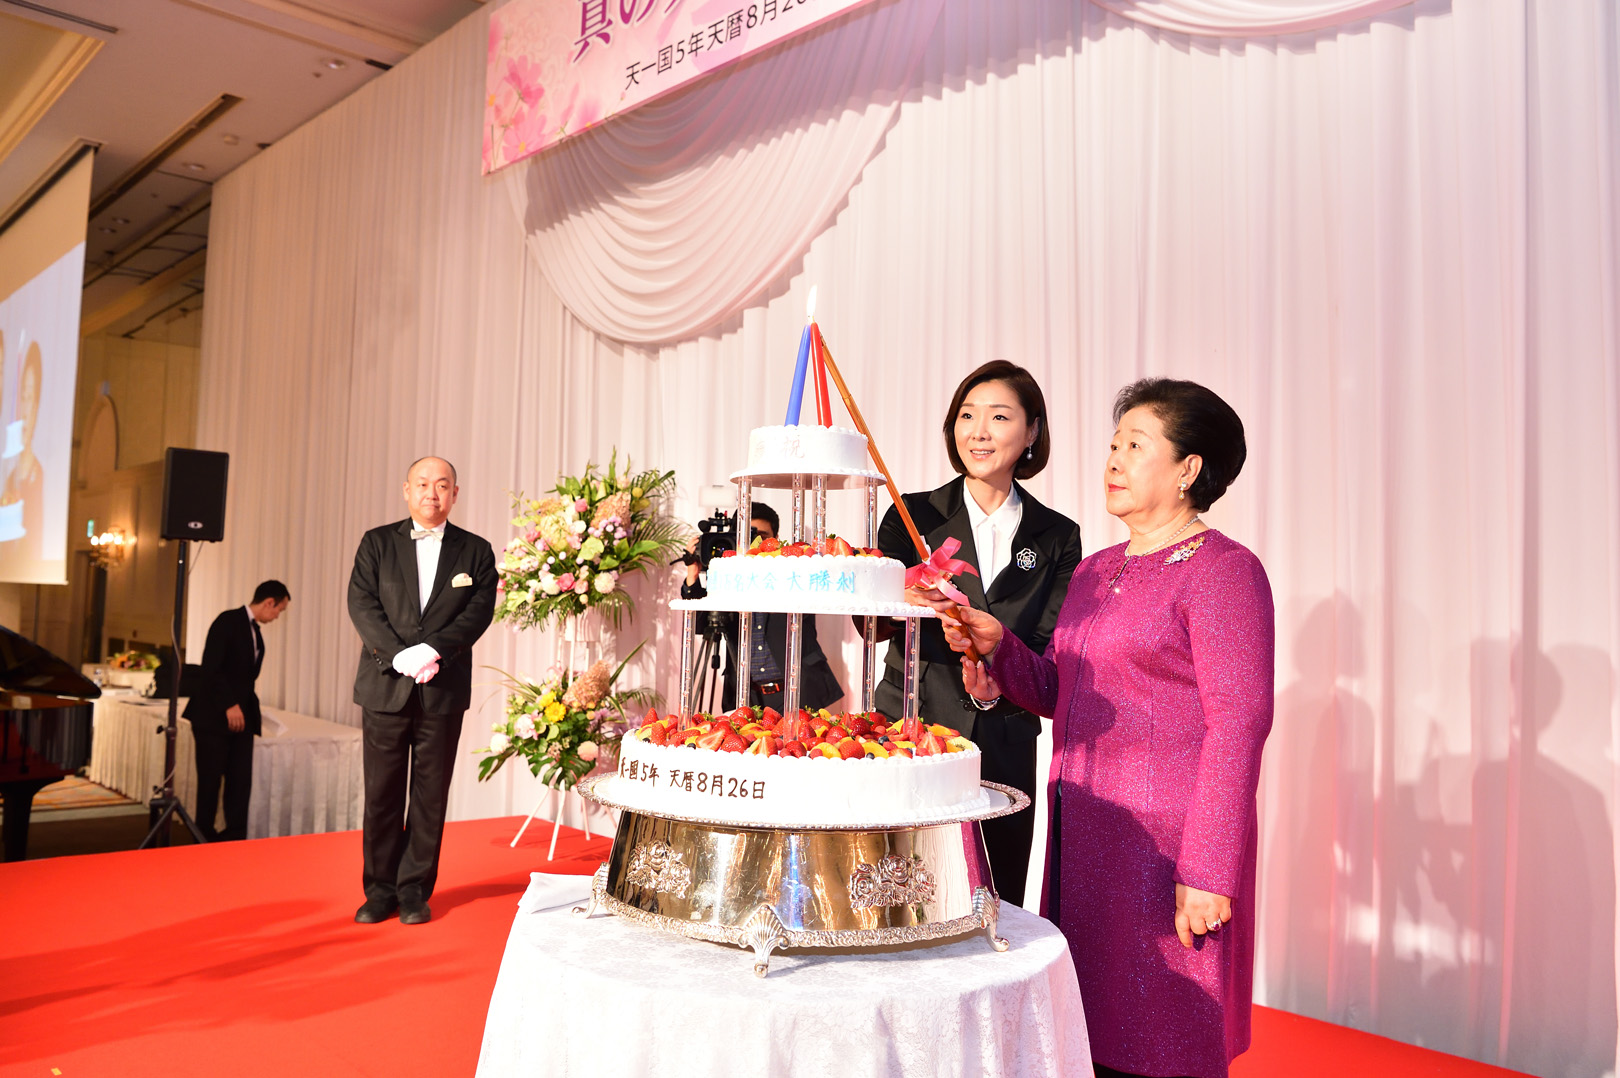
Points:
(45, 717)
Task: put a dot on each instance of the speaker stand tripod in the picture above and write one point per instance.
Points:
(165, 805)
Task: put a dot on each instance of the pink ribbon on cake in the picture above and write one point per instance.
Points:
(937, 571)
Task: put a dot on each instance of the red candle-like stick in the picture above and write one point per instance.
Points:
(823, 402)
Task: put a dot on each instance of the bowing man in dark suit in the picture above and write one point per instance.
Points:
(422, 593)
(996, 432)
(224, 709)
(818, 685)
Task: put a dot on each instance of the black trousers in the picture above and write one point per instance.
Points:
(223, 755)
(1007, 840)
(415, 751)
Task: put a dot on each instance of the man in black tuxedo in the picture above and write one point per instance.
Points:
(421, 594)
(224, 709)
(818, 685)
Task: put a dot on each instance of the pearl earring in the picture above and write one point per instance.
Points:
(1029, 452)
(1183, 495)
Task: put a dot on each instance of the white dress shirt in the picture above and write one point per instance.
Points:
(427, 561)
(252, 630)
(993, 533)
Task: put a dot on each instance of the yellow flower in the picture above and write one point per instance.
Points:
(547, 697)
(555, 712)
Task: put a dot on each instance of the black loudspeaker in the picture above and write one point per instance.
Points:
(194, 494)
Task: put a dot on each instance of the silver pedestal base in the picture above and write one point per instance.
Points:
(772, 890)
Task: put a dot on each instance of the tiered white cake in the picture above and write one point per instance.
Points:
(815, 583)
(753, 790)
(829, 451)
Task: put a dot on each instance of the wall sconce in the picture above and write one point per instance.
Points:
(107, 549)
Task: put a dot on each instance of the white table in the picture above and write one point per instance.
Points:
(603, 997)
(306, 771)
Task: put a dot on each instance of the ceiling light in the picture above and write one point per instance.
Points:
(194, 166)
(334, 64)
(120, 220)
(229, 140)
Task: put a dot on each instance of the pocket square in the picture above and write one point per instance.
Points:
(461, 580)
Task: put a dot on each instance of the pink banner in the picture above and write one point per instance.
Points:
(559, 67)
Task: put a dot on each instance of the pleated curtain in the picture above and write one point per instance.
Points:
(1387, 234)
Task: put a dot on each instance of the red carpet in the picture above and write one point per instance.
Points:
(242, 959)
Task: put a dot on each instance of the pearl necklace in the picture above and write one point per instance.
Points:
(1167, 542)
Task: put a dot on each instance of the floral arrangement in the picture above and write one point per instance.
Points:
(574, 548)
(133, 660)
(563, 725)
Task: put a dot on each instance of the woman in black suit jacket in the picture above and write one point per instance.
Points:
(996, 433)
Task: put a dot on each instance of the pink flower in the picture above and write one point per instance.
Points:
(588, 750)
(523, 75)
(501, 105)
(580, 505)
(523, 137)
(565, 582)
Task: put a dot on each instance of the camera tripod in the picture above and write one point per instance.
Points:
(708, 688)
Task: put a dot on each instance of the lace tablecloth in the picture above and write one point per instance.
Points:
(306, 771)
(604, 997)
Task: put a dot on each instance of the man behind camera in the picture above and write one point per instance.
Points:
(817, 685)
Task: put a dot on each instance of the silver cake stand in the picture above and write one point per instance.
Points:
(775, 887)
(805, 885)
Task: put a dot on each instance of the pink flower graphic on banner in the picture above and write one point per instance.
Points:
(523, 76)
(524, 135)
(502, 104)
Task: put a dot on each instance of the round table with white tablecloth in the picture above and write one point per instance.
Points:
(306, 771)
(610, 998)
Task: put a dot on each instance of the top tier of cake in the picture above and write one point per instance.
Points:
(777, 454)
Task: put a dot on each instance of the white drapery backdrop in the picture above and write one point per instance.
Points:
(1391, 244)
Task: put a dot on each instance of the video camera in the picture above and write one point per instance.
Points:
(718, 534)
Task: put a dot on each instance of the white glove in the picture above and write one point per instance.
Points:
(425, 675)
(410, 661)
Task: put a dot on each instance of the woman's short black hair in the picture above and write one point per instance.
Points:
(1195, 420)
(1030, 398)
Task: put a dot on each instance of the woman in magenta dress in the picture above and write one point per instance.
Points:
(1158, 679)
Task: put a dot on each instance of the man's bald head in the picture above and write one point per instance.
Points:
(424, 460)
(430, 491)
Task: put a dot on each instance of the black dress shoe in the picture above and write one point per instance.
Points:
(375, 909)
(415, 913)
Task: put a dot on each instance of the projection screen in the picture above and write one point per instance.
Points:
(41, 278)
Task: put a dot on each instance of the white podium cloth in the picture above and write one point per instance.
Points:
(306, 771)
(606, 998)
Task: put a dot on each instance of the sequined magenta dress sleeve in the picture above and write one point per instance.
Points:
(1159, 681)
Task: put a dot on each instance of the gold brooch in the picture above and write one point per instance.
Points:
(1186, 551)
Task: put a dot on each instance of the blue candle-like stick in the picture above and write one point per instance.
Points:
(796, 397)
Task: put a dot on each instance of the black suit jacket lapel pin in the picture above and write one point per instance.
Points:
(1025, 559)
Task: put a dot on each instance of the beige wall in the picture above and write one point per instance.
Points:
(152, 384)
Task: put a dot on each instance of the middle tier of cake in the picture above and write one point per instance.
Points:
(811, 584)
